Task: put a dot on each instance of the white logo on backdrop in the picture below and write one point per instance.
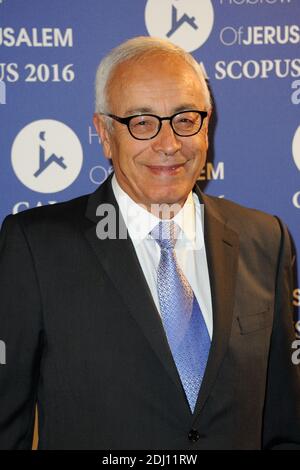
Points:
(186, 23)
(47, 156)
(2, 92)
(296, 148)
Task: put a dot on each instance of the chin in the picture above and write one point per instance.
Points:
(168, 197)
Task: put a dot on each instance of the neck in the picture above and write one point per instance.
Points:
(164, 211)
(161, 210)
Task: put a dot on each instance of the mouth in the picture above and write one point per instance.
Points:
(167, 170)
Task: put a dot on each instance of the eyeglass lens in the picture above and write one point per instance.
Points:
(184, 124)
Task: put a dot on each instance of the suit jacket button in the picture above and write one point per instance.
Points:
(194, 435)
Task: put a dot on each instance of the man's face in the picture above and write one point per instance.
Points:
(165, 168)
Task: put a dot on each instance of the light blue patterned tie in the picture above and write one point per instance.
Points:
(182, 318)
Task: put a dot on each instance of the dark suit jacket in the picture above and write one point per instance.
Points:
(85, 341)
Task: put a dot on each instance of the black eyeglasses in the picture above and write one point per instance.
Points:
(147, 126)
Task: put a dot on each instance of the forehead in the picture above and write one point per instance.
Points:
(152, 83)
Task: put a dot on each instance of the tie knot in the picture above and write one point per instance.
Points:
(165, 234)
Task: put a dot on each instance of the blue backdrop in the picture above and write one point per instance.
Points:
(250, 52)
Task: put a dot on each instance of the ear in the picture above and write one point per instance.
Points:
(104, 134)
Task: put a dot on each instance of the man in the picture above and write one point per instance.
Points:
(177, 336)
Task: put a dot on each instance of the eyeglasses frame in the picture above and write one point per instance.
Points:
(126, 121)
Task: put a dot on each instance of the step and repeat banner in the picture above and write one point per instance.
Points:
(249, 50)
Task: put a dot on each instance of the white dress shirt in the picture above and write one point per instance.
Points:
(190, 248)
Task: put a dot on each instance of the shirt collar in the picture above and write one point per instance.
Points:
(140, 222)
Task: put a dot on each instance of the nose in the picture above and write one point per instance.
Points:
(166, 141)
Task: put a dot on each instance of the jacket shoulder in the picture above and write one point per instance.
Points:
(247, 222)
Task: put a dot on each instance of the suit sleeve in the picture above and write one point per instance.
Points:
(282, 401)
(20, 335)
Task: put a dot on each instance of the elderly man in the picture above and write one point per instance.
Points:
(176, 336)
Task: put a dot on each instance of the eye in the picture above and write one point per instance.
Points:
(143, 125)
(186, 121)
(142, 122)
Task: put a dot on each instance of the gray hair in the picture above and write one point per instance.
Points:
(133, 49)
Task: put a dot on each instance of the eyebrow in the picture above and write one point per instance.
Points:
(185, 107)
(143, 109)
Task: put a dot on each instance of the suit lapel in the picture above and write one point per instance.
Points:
(222, 256)
(120, 262)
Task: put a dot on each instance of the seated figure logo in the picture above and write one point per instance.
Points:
(186, 23)
(47, 156)
(296, 148)
(43, 162)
